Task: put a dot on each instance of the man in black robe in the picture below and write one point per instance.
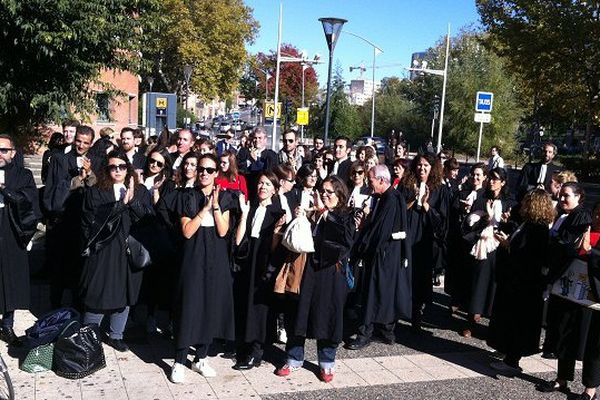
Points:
(257, 159)
(538, 174)
(137, 159)
(383, 247)
(341, 167)
(19, 215)
(68, 178)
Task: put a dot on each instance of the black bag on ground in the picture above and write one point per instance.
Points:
(47, 329)
(80, 354)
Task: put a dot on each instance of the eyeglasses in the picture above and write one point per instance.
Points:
(326, 191)
(288, 180)
(5, 150)
(117, 167)
(209, 170)
(313, 176)
(158, 163)
(359, 172)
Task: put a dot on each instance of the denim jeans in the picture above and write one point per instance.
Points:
(326, 351)
(118, 319)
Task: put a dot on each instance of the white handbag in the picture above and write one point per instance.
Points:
(298, 236)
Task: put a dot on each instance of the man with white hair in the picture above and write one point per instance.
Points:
(383, 248)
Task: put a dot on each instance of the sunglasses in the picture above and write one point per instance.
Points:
(290, 140)
(158, 163)
(325, 191)
(6, 150)
(360, 172)
(209, 170)
(117, 167)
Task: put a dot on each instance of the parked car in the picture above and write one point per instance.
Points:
(379, 142)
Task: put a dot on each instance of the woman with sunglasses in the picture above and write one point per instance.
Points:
(427, 208)
(360, 192)
(258, 234)
(157, 172)
(228, 177)
(319, 310)
(204, 292)
(108, 283)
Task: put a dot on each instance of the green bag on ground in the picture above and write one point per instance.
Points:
(39, 359)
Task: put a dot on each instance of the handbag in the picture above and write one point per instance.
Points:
(574, 285)
(80, 354)
(39, 359)
(289, 278)
(137, 255)
(298, 236)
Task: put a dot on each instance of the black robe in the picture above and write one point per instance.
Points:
(18, 222)
(530, 174)
(516, 321)
(255, 283)
(107, 281)
(324, 288)
(204, 291)
(427, 231)
(387, 290)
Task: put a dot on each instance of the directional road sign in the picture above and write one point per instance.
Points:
(484, 102)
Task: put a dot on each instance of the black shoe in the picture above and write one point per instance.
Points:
(229, 355)
(549, 355)
(358, 344)
(551, 386)
(118, 345)
(9, 336)
(247, 363)
(585, 396)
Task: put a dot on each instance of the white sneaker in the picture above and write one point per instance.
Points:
(281, 336)
(178, 373)
(204, 369)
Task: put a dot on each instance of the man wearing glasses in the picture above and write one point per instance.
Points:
(19, 215)
(289, 154)
(68, 178)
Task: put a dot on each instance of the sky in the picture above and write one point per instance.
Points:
(398, 27)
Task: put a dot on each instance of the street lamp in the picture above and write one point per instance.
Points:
(187, 74)
(440, 72)
(332, 28)
(376, 50)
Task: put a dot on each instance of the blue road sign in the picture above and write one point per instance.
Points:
(236, 115)
(484, 102)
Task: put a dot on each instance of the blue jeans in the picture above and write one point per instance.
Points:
(118, 319)
(326, 351)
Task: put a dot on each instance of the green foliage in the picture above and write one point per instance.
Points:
(52, 52)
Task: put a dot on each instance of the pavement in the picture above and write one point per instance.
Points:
(437, 363)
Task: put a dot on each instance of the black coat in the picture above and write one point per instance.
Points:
(107, 281)
(18, 221)
(204, 291)
(529, 177)
(343, 171)
(387, 292)
(516, 321)
(324, 288)
(139, 160)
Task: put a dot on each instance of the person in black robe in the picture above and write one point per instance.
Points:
(257, 159)
(456, 279)
(538, 174)
(573, 331)
(383, 248)
(341, 167)
(204, 293)
(319, 310)
(69, 177)
(109, 285)
(516, 320)
(258, 234)
(427, 202)
(19, 215)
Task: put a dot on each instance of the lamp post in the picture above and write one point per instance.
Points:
(148, 108)
(376, 50)
(187, 74)
(332, 28)
(439, 72)
(304, 67)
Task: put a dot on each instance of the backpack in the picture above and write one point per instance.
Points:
(47, 329)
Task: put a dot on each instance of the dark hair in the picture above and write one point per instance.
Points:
(271, 177)
(304, 172)
(288, 131)
(344, 138)
(550, 144)
(70, 122)
(498, 149)
(138, 134)
(206, 141)
(403, 162)
(434, 180)
(282, 171)
(55, 140)
(179, 177)
(501, 174)
(232, 172)
(353, 167)
(340, 189)
(85, 130)
(317, 137)
(576, 189)
(127, 129)
(479, 165)
(166, 171)
(9, 138)
(210, 156)
(105, 181)
(451, 164)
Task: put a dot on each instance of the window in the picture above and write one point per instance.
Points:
(103, 107)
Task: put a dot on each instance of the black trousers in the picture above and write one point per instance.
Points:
(590, 372)
(385, 330)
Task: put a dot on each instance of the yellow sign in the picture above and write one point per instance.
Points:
(270, 110)
(161, 102)
(302, 116)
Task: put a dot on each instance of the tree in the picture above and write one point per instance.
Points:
(554, 46)
(208, 35)
(344, 119)
(52, 52)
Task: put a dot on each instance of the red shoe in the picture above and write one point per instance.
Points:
(326, 375)
(286, 370)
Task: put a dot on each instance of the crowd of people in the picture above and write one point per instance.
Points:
(220, 224)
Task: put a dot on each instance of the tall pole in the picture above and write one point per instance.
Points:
(266, 96)
(479, 141)
(302, 126)
(373, 100)
(328, 98)
(276, 96)
(440, 128)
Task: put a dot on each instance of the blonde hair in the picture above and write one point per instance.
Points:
(106, 131)
(564, 176)
(537, 207)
